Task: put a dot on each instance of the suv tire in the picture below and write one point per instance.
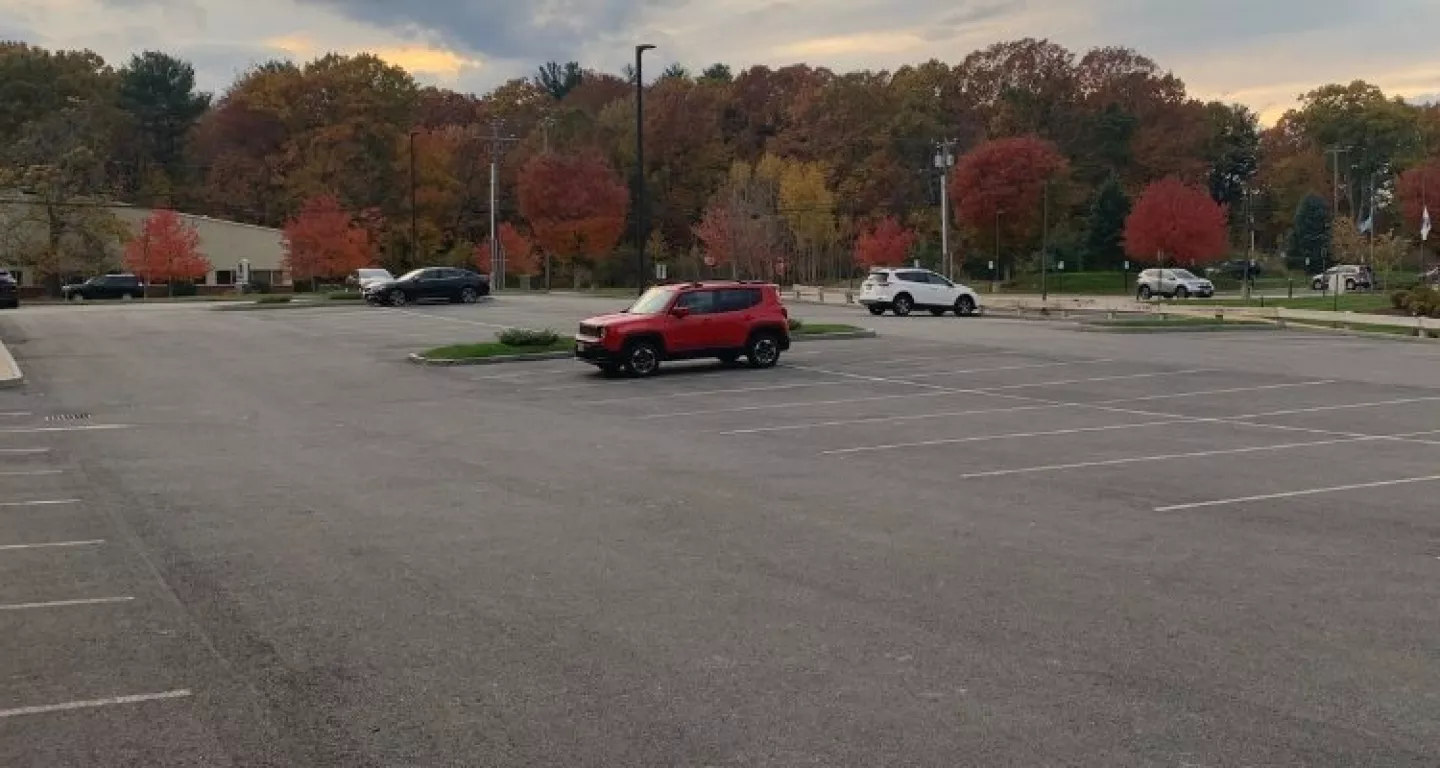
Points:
(468, 295)
(1350, 285)
(1144, 292)
(964, 306)
(398, 299)
(903, 305)
(763, 350)
(876, 310)
(1182, 292)
(642, 358)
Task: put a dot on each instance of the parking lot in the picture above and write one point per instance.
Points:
(967, 542)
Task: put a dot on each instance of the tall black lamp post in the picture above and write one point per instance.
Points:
(641, 235)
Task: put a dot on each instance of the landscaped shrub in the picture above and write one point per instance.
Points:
(273, 299)
(527, 337)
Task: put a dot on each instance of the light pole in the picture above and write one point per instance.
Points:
(1045, 246)
(944, 161)
(995, 273)
(414, 228)
(641, 235)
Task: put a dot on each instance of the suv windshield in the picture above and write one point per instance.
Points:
(652, 302)
(412, 274)
(1185, 274)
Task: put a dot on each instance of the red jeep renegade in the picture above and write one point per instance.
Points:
(688, 321)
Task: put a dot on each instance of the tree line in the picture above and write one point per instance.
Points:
(797, 169)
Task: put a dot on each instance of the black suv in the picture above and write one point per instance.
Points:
(9, 291)
(105, 287)
(429, 283)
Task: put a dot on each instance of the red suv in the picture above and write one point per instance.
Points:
(689, 321)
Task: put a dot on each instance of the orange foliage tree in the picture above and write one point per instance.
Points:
(1176, 222)
(166, 250)
(324, 241)
(1419, 190)
(519, 251)
(884, 245)
(1004, 180)
(575, 205)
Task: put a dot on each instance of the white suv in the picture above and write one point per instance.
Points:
(1172, 283)
(902, 290)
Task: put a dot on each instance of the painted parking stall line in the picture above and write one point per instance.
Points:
(78, 428)
(1299, 493)
(52, 545)
(95, 703)
(66, 603)
(39, 503)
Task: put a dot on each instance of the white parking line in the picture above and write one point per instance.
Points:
(1191, 455)
(936, 391)
(1293, 494)
(52, 544)
(38, 503)
(445, 319)
(1008, 409)
(30, 472)
(23, 451)
(65, 603)
(928, 374)
(1007, 436)
(15, 414)
(93, 703)
(84, 428)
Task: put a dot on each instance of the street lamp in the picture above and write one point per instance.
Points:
(995, 273)
(414, 229)
(640, 234)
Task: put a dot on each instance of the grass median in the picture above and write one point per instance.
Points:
(815, 329)
(511, 342)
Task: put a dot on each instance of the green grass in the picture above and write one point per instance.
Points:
(813, 328)
(494, 349)
(274, 299)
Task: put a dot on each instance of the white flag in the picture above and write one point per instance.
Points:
(1425, 224)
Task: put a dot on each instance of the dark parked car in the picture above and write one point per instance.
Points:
(1238, 269)
(105, 287)
(429, 284)
(9, 291)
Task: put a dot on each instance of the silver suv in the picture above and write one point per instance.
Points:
(1353, 276)
(1172, 283)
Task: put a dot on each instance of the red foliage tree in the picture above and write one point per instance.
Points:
(325, 241)
(1176, 223)
(575, 206)
(1005, 177)
(519, 251)
(166, 250)
(885, 245)
(716, 233)
(1420, 189)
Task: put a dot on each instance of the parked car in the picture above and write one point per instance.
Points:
(724, 320)
(9, 291)
(429, 284)
(105, 287)
(1172, 284)
(903, 290)
(1238, 269)
(361, 278)
(1353, 276)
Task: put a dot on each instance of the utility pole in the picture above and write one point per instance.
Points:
(944, 161)
(641, 235)
(1335, 153)
(414, 228)
(1045, 245)
(497, 256)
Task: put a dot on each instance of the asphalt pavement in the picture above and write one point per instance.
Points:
(264, 539)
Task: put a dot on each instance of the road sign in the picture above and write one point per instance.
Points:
(1127, 266)
(1060, 265)
(660, 270)
(992, 266)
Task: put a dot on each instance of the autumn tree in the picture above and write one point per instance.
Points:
(887, 244)
(323, 241)
(575, 206)
(166, 250)
(1310, 235)
(1419, 189)
(1176, 223)
(517, 249)
(999, 187)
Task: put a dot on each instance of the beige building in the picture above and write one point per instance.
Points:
(225, 243)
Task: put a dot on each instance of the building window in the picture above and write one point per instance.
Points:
(225, 277)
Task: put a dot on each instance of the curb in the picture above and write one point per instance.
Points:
(865, 333)
(10, 373)
(418, 359)
(1093, 328)
(1291, 325)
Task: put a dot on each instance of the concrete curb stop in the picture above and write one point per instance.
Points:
(420, 359)
(10, 373)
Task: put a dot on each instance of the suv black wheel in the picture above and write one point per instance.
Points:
(964, 306)
(468, 295)
(763, 350)
(1349, 285)
(903, 304)
(398, 299)
(642, 358)
(1182, 292)
(876, 309)
(1144, 292)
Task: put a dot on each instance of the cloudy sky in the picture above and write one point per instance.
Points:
(1259, 52)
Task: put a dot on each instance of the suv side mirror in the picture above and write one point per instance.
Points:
(680, 313)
